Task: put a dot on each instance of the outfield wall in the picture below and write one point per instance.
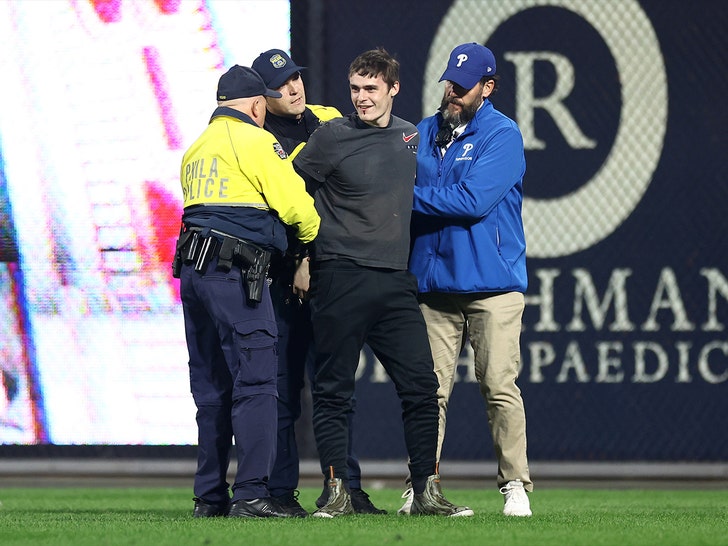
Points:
(624, 350)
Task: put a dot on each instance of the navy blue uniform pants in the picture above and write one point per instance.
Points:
(295, 359)
(233, 366)
(351, 306)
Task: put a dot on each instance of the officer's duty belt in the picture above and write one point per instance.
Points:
(199, 246)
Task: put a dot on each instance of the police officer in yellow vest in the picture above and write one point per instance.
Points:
(241, 194)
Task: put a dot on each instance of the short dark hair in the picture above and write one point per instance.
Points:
(374, 62)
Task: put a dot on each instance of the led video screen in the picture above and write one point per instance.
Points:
(100, 100)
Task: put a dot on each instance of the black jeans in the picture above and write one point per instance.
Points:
(295, 360)
(352, 305)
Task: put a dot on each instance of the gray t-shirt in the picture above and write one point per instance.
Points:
(365, 179)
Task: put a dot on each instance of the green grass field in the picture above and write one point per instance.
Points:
(162, 516)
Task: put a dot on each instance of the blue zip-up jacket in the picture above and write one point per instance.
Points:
(467, 229)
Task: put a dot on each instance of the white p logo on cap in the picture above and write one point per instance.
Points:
(461, 59)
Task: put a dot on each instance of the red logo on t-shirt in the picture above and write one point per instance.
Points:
(407, 138)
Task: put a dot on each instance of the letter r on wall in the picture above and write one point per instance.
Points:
(526, 102)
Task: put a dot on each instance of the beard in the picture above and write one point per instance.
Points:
(464, 115)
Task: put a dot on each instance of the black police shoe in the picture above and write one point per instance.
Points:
(208, 510)
(289, 503)
(257, 508)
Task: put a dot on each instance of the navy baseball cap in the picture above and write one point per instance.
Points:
(468, 63)
(241, 82)
(275, 67)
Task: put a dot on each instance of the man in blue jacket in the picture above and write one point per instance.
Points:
(469, 254)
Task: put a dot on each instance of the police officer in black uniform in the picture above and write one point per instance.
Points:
(241, 194)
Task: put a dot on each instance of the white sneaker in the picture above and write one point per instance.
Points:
(409, 494)
(516, 499)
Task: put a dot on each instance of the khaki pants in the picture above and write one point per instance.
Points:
(493, 324)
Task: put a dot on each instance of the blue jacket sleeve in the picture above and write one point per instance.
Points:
(497, 167)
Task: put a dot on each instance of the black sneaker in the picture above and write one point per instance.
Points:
(324, 496)
(361, 503)
(289, 503)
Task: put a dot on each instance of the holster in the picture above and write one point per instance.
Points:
(254, 262)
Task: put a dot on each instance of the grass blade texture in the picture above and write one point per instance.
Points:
(162, 516)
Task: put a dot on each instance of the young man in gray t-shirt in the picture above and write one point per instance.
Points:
(361, 170)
